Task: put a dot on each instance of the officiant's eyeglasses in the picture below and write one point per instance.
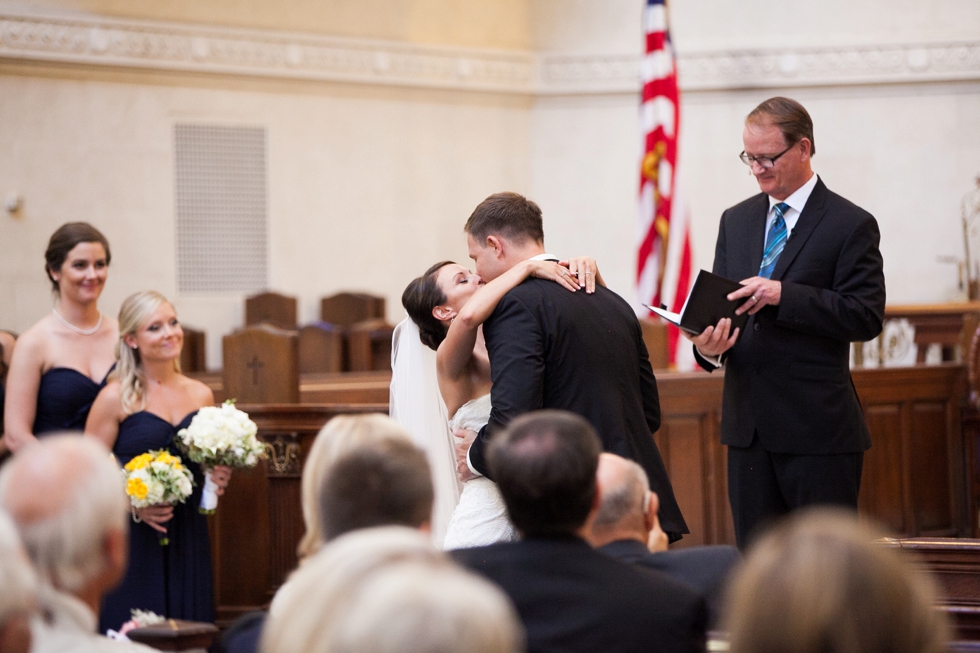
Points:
(765, 161)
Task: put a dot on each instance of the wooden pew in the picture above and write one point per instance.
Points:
(261, 364)
(955, 564)
(271, 308)
(193, 354)
(348, 308)
(369, 345)
(321, 348)
(361, 320)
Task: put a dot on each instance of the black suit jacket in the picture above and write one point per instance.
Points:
(551, 348)
(572, 598)
(787, 377)
(705, 568)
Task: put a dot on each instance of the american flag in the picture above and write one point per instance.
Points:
(663, 271)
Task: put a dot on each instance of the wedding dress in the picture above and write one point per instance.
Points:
(463, 518)
(480, 517)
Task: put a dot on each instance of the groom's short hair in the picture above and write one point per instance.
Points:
(545, 465)
(510, 215)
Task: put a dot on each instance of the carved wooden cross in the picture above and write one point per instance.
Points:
(255, 366)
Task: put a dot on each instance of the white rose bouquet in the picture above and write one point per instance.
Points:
(157, 477)
(220, 435)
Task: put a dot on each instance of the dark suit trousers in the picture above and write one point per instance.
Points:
(763, 486)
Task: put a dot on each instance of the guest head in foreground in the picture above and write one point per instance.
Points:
(61, 362)
(387, 590)
(503, 230)
(383, 483)
(338, 437)
(18, 590)
(66, 497)
(545, 466)
(820, 583)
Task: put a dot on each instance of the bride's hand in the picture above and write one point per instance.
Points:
(586, 271)
(464, 438)
(552, 271)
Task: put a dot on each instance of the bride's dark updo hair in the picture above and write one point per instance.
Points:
(420, 297)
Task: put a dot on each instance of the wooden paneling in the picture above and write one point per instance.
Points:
(914, 477)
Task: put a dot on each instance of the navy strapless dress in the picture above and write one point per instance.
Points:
(64, 398)
(173, 581)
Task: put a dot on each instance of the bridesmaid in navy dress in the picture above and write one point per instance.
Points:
(146, 401)
(60, 364)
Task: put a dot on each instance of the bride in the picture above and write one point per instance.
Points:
(447, 306)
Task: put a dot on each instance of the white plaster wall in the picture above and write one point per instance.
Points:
(907, 153)
(364, 192)
(369, 185)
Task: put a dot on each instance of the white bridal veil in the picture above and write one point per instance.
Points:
(417, 405)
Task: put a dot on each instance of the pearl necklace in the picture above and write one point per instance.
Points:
(84, 332)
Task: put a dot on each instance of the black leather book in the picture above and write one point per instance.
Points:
(706, 304)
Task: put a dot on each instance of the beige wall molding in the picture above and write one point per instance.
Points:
(193, 49)
(99, 41)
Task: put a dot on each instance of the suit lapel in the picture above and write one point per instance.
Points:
(813, 212)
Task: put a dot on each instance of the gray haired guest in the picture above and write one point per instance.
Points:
(18, 591)
(65, 495)
(389, 590)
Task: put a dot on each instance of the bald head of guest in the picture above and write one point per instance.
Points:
(18, 590)
(545, 464)
(628, 509)
(65, 495)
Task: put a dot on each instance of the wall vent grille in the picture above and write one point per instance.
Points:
(222, 234)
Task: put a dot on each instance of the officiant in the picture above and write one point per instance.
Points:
(813, 283)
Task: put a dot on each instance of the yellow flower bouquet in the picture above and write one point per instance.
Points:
(157, 477)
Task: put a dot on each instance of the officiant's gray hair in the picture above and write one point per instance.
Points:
(65, 494)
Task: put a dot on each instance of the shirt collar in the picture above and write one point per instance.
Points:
(799, 197)
(544, 257)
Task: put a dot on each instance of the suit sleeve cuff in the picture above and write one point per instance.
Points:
(470, 464)
(711, 360)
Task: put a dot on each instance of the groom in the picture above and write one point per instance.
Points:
(551, 348)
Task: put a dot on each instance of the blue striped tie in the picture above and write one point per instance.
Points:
(775, 242)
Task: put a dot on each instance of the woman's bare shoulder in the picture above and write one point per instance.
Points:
(203, 395)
